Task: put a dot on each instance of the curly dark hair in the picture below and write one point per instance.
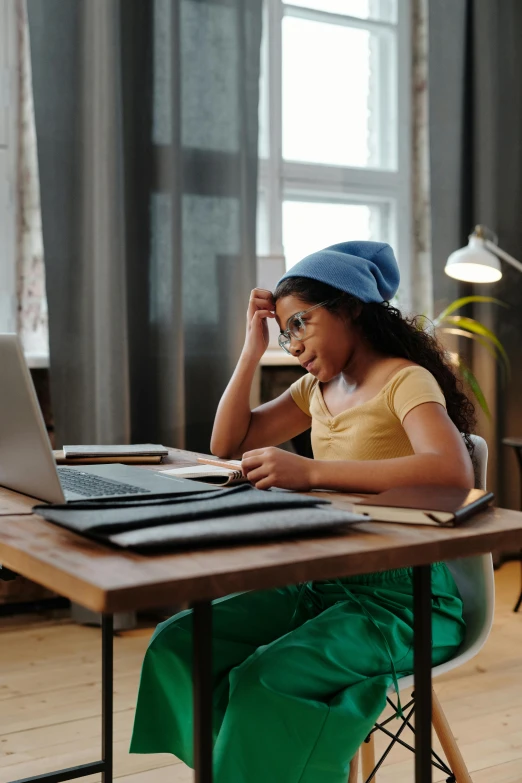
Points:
(388, 332)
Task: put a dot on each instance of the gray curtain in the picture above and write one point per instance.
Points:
(476, 162)
(146, 122)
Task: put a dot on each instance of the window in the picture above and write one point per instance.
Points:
(334, 117)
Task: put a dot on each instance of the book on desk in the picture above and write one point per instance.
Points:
(126, 454)
(432, 504)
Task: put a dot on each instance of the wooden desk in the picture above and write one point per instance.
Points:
(109, 580)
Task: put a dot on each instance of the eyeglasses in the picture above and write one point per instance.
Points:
(296, 327)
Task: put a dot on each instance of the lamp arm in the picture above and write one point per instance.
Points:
(502, 254)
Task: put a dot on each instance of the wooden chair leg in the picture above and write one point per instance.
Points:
(354, 769)
(368, 759)
(447, 740)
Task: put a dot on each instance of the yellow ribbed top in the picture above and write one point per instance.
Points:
(372, 430)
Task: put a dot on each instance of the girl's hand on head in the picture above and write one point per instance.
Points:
(273, 467)
(260, 307)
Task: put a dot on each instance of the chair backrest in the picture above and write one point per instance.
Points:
(475, 579)
(474, 576)
(480, 461)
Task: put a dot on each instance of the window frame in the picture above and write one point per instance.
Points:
(280, 179)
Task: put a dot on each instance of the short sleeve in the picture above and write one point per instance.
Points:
(411, 387)
(302, 391)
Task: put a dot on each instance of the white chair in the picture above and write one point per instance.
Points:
(475, 580)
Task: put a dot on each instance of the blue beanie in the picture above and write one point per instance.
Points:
(367, 270)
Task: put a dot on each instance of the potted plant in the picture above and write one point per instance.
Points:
(450, 322)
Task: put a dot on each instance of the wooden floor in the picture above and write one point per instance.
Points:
(50, 701)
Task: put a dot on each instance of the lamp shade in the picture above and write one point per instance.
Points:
(474, 263)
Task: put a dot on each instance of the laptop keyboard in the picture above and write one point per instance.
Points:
(93, 486)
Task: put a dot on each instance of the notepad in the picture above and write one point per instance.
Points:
(210, 474)
(221, 463)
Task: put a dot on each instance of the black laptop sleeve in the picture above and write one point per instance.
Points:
(224, 515)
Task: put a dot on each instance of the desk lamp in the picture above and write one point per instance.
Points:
(479, 261)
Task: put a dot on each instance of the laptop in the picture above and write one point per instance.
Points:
(27, 463)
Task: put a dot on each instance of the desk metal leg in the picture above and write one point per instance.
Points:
(105, 765)
(422, 671)
(518, 452)
(202, 677)
(107, 696)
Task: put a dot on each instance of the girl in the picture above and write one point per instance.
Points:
(301, 672)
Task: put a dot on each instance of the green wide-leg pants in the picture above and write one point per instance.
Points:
(300, 674)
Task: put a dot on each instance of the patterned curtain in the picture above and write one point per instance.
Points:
(32, 324)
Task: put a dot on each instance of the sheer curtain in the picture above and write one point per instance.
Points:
(32, 322)
(146, 120)
(422, 273)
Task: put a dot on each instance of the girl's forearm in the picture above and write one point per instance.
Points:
(379, 475)
(234, 413)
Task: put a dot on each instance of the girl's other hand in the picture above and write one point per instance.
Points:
(273, 467)
(260, 307)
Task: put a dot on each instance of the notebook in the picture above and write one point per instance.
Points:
(127, 450)
(425, 505)
(210, 474)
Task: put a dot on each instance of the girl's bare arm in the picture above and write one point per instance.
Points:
(270, 424)
(236, 427)
(440, 457)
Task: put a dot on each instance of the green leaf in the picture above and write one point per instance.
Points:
(458, 303)
(469, 324)
(482, 341)
(475, 387)
(461, 333)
